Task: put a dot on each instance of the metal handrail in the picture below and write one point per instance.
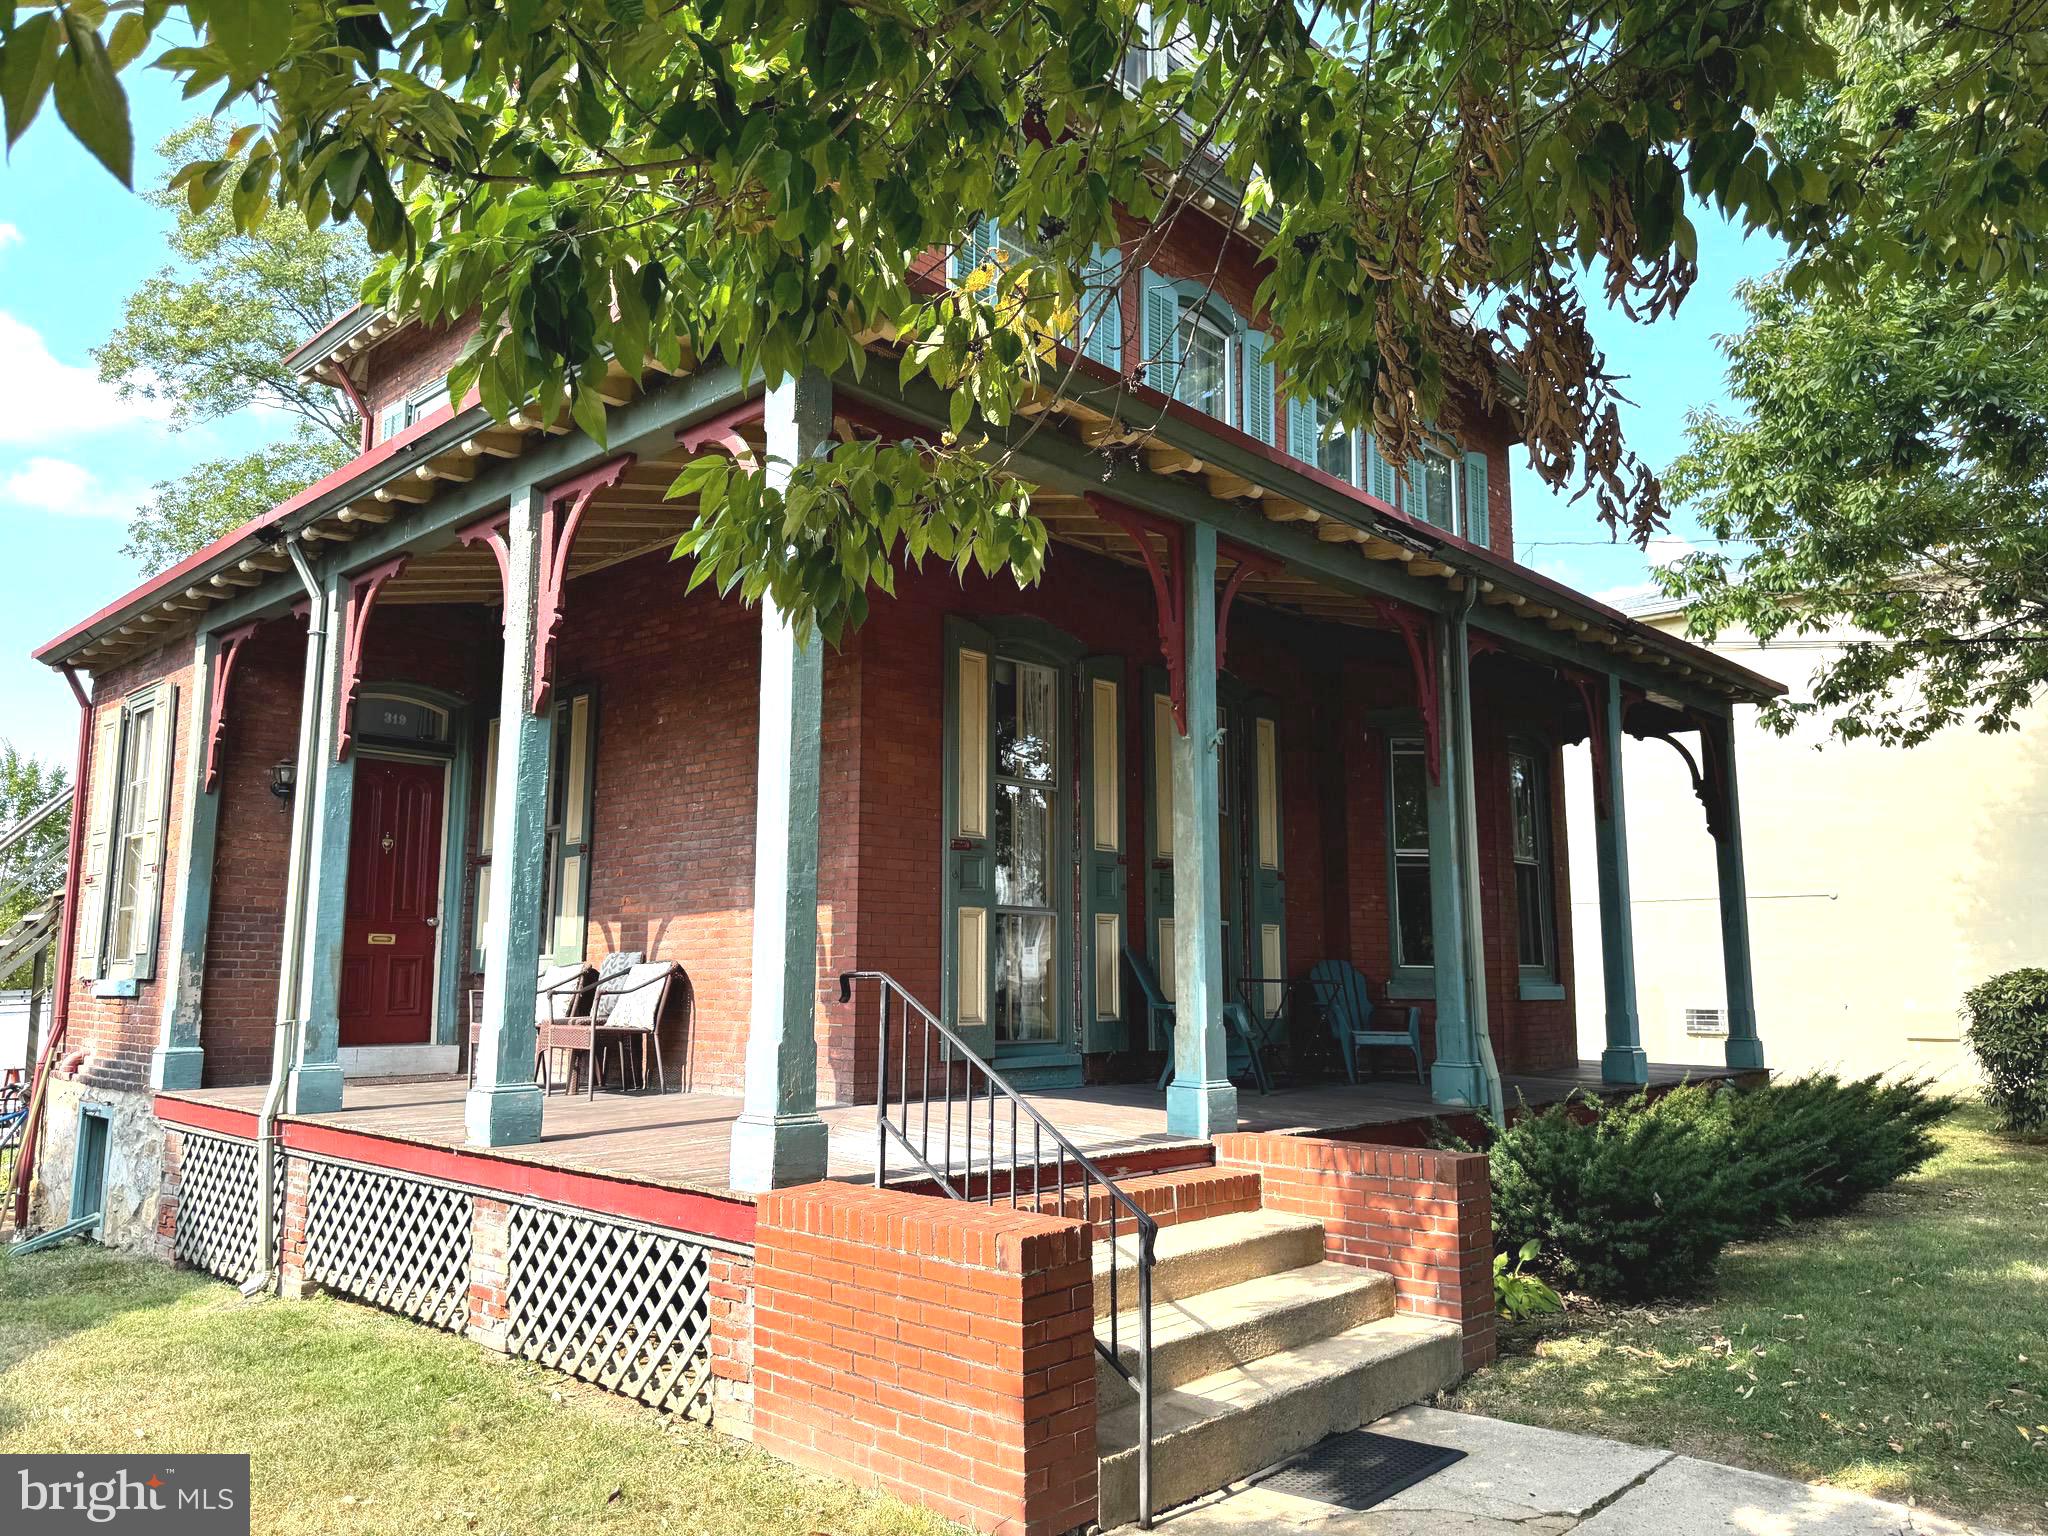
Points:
(955, 1051)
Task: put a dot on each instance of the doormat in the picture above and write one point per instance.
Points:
(1358, 1469)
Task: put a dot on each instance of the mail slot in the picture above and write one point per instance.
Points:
(383, 938)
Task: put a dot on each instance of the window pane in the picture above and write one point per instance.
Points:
(1529, 937)
(1522, 799)
(1412, 913)
(1024, 977)
(1436, 489)
(1333, 451)
(1205, 366)
(1411, 801)
(1023, 846)
(1027, 721)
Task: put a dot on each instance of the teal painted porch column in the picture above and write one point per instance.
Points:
(316, 1081)
(1200, 1100)
(1623, 1062)
(1456, 1076)
(504, 1103)
(179, 1057)
(1745, 1050)
(778, 1139)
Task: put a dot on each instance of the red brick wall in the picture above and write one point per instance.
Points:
(1423, 1217)
(411, 359)
(941, 1352)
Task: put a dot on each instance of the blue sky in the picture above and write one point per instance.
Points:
(75, 460)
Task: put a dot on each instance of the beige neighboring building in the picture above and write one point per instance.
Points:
(1883, 883)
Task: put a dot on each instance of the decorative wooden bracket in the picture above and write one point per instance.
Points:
(228, 645)
(1708, 785)
(355, 621)
(491, 533)
(1168, 598)
(1588, 688)
(1248, 563)
(1415, 629)
(723, 432)
(561, 514)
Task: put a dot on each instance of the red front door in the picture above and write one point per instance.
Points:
(394, 904)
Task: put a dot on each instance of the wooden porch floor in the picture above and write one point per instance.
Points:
(679, 1141)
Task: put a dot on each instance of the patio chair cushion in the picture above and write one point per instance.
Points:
(638, 1002)
(610, 972)
(554, 998)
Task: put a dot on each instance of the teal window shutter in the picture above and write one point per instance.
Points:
(1478, 521)
(975, 249)
(1161, 338)
(1102, 308)
(1413, 501)
(1256, 414)
(1302, 426)
(1379, 473)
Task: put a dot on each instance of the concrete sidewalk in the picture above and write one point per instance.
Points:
(1540, 1482)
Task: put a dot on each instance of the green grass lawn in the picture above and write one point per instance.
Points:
(1901, 1351)
(357, 1422)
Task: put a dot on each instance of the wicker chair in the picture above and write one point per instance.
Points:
(558, 994)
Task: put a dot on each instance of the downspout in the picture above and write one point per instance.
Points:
(1468, 837)
(284, 1039)
(60, 991)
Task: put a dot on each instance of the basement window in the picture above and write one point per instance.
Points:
(89, 1163)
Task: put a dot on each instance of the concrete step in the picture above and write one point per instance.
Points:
(1239, 1324)
(1200, 1256)
(1215, 1429)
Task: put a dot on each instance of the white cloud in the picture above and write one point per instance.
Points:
(58, 485)
(42, 399)
(10, 234)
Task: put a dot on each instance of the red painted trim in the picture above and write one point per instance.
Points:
(230, 643)
(180, 575)
(67, 951)
(1168, 595)
(557, 539)
(1415, 628)
(723, 432)
(682, 1210)
(193, 1115)
(362, 597)
(491, 532)
(355, 398)
(872, 418)
(1248, 563)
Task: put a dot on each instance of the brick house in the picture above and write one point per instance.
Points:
(1060, 859)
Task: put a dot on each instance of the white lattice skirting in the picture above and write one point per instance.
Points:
(623, 1307)
(216, 1228)
(401, 1243)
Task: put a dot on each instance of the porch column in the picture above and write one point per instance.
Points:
(1200, 1100)
(503, 1106)
(778, 1139)
(177, 1059)
(1623, 1062)
(1456, 1076)
(316, 1081)
(1745, 1050)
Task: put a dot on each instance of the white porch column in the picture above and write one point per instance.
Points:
(1200, 1101)
(1623, 1062)
(504, 1103)
(778, 1139)
(328, 788)
(1745, 1052)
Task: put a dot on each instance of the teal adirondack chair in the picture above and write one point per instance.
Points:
(1242, 1046)
(1352, 1015)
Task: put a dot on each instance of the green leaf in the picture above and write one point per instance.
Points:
(27, 66)
(254, 34)
(91, 102)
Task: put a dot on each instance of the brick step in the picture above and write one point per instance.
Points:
(1242, 1323)
(1187, 1194)
(1212, 1430)
(1200, 1256)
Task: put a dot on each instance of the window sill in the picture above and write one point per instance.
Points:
(1541, 989)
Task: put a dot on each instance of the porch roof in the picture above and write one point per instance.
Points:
(1338, 546)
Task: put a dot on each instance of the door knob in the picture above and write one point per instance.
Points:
(433, 922)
